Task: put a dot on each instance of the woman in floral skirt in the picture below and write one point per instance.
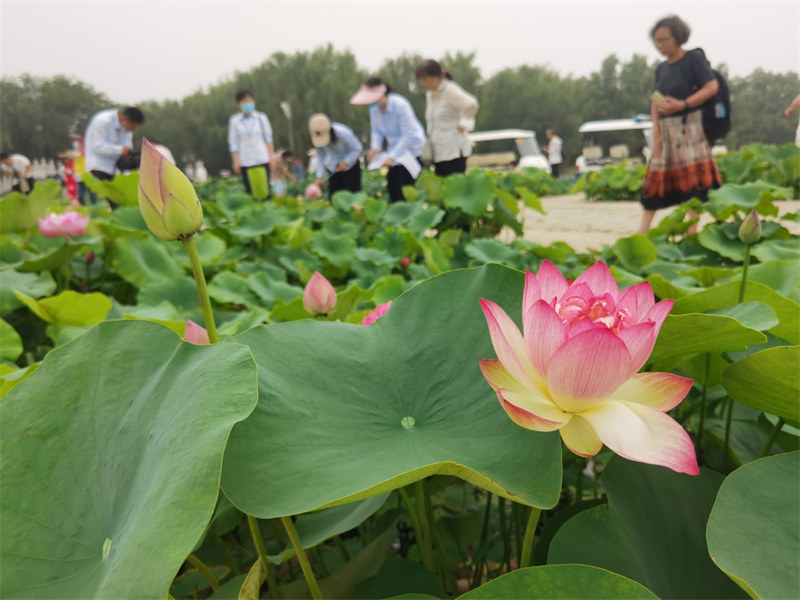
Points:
(681, 166)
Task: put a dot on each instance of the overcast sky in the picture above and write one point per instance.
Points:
(145, 50)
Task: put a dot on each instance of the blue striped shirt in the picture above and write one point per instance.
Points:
(347, 149)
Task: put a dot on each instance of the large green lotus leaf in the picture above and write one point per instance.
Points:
(209, 248)
(654, 526)
(399, 576)
(560, 582)
(231, 288)
(34, 285)
(69, 308)
(635, 252)
(783, 276)
(598, 537)
(471, 192)
(753, 529)
(111, 455)
(755, 315)
(493, 251)
(10, 342)
(256, 220)
(128, 219)
(679, 336)
(337, 249)
(778, 250)
(348, 412)
(732, 198)
(123, 190)
(180, 293)
(143, 260)
(768, 380)
(21, 213)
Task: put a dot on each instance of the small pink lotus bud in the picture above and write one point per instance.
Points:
(88, 258)
(750, 230)
(194, 334)
(313, 191)
(405, 262)
(319, 297)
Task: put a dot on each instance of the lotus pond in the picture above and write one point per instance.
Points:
(389, 406)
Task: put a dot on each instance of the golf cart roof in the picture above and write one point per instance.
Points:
(501, 134)
(638, 122)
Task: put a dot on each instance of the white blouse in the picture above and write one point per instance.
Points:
(450, 107)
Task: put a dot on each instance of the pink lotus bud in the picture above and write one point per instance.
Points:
(319, 297)
(68, 223)
(167, 198)
(376, 314)
(405, 262)
(88, 258)
(313, 191)
(194, 334)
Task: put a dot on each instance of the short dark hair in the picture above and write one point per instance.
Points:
(242, 94)
(3, 155)
(678, 28)
(431, 68)
(376, 81)
(134, 115)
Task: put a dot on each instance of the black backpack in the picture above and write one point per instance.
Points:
(717, 109)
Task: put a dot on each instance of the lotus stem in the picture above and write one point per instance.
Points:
(530, 533)
(728, 423)
(772, 437)
(744, 273)
(203, 568)
(258, 541)
(202, 289)
(297, 544)
(476, 578)
(704, 406)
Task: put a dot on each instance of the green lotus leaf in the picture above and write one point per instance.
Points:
(348, 412)
(111, 455)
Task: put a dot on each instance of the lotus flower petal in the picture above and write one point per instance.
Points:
(580, 438)
(542, 414)
(639, 340)
(552, 283)
(660, 391)
(587, 368)
(376, 314)
(599, 279)
(544, 334)
(643, 434)
(508, 343)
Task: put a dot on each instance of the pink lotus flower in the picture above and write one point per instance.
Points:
(405, 262)
(313, 191)
(575, 367)
(319, 297)
(376, 314)
(195, 334)
(68, 223)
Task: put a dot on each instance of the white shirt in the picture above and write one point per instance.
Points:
(165, 152)
(104, 140)
(18, 166)
(450, 107)
(249, 135)
(554, 151)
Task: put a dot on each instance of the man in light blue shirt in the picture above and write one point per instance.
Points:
(392, 120)
(249, 138)
(108, 137)
(338, 150)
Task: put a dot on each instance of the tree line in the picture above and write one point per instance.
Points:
(37, 115)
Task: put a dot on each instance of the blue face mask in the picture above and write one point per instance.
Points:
(248, 107)
(373, 105)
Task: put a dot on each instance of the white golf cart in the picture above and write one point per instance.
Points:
(614, 141)
(494, 150)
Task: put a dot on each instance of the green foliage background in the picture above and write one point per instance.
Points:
(38, 114)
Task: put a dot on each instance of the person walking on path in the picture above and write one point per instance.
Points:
(789, 110)
(681, 166)
(250, 139)
(554, 150)
(338, 150)
(392, 120)
(449, 116)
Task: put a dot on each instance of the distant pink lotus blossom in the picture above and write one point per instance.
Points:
(195, 334)
(376, 314)
(68, 223)
(319, 297)
(574, 368)
(405, 262)
(313, 191)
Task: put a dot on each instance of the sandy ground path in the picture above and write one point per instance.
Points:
(588, 225)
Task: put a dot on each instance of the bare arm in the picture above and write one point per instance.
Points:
(671, 105)
(793, 106)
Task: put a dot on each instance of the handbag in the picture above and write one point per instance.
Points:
(130, 161)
